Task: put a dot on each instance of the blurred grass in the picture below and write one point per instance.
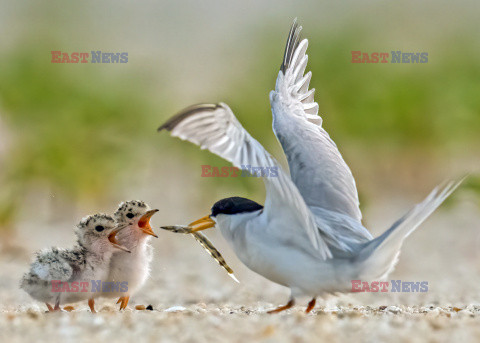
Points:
(77, 129)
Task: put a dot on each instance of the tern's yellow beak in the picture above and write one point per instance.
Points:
(144, 223)
(202, 224)
(112, 237)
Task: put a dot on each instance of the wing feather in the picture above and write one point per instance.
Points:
(222, 134)
(316, 166)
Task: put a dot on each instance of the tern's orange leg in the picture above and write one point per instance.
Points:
(91, 304)
(290, 304)
(50, 308)
(311, 305)
(123, 301)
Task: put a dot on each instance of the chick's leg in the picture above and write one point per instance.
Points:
(91, 304)
(123, 301)
(54, 308)
(57, 304)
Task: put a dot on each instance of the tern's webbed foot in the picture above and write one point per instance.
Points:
(311, 305)
(290, 304)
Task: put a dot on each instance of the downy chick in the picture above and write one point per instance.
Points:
(133, 218)
(56, 270)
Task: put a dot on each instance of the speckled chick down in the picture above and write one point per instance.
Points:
(86, 261)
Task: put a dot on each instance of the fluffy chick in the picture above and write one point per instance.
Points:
(86, 261)
(133, 217)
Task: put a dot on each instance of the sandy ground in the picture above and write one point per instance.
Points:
(194, 300)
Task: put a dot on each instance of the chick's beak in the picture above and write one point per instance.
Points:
(144, 223)
(112, 237)
(202, 224)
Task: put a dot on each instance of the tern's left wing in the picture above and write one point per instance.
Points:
(215, 127)
(316, 166)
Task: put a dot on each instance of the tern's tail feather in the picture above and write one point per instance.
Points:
(379, 256)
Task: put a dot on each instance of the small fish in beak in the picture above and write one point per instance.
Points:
(198, 225)
(178, 228)
(212, 251)
(193, 228)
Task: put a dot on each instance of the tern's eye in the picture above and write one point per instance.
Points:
(130, 215)
(99, 228)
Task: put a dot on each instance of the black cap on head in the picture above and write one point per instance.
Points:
(235, 205)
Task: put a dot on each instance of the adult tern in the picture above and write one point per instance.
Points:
(308, 236)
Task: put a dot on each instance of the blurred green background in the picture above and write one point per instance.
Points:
(75, 138)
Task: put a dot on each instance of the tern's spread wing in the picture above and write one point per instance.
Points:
(316, 166)
(215, 127)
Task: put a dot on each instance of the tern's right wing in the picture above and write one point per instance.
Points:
(316, 166)
(215, 127)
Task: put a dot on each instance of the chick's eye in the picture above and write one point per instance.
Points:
(130, 215)
(99, 228)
